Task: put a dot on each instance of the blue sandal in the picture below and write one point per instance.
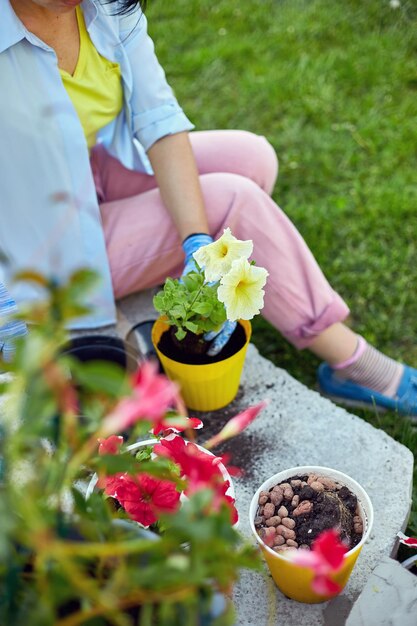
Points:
(352, 394)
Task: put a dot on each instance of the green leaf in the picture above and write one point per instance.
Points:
(192, 327)
(192, 281)
(82, 282)
(31, 276)
(180, 334)
(203, 308)
(177, 311)
(102, 376)
(115, 463)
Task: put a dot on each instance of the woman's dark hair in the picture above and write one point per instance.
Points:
(123, 7)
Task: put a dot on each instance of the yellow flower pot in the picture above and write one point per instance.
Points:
(204, 387)
(293, 580)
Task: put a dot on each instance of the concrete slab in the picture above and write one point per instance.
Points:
(388, 599)
(299, 427)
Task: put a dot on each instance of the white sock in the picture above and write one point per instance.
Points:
(370, 368)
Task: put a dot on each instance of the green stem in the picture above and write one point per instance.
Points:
(59, 549)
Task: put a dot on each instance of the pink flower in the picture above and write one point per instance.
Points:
(236, 425)
(325, 558)
(152, 395)
(407, 541)
(143, 497)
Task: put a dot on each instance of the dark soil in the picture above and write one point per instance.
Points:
(171, 350)
(191, 344)
(330, 509)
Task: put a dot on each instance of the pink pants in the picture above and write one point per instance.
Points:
(237, 173)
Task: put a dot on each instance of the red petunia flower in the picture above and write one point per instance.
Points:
(144, 497)
(201, 469)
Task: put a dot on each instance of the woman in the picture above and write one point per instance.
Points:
(97, 163)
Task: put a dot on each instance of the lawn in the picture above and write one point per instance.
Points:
(333, 85)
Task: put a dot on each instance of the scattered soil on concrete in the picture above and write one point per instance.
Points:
(243, 451)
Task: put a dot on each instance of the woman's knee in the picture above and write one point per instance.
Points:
(258, 159)
(236, 152)
(231, 199)
(265, 161)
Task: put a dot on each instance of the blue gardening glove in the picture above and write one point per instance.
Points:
(190, 245)
(220, 337)
(11, 329)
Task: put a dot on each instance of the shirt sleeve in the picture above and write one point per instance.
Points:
(155, 110)
(9, 329)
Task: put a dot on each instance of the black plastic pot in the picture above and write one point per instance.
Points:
(104, 348)
(140, 337)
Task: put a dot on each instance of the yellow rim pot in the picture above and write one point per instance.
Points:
(204, 387)
(293, 580)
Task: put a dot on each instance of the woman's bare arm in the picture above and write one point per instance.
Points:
(173, 162)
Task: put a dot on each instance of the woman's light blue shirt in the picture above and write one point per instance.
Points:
(50, 218)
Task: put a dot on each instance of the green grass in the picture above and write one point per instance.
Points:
(333, 85)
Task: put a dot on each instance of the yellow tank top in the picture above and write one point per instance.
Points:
(95, 88)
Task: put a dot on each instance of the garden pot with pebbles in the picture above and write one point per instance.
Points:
(292, 508)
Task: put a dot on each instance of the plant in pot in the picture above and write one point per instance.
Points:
(225, 287)
(311, 523)
(67, 560)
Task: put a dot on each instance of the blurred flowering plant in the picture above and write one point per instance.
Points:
(223, 286)
(66, 559)
(325, 559)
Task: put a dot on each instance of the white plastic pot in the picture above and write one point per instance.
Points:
(150, 442)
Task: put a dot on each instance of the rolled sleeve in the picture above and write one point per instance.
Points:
(154, 108)
(168, 119)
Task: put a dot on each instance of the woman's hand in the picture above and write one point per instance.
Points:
(220, 337)
(191, 244)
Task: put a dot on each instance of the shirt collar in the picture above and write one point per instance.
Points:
(90, 11)
(12, 30)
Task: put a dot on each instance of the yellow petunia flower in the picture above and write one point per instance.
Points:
(217, 257)
(241, 290)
